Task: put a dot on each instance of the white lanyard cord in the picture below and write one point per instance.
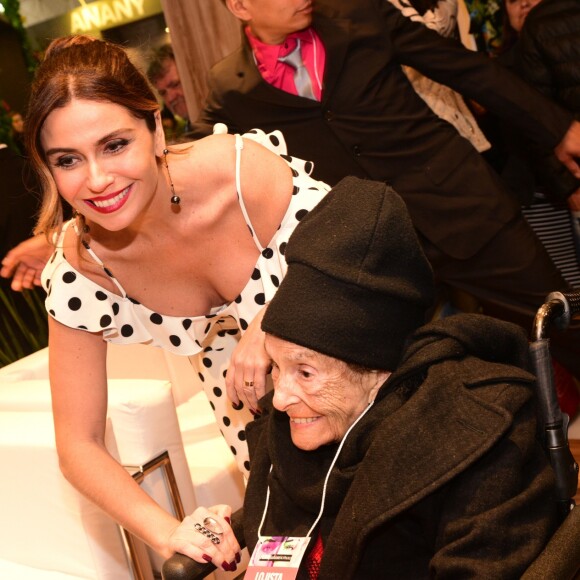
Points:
(325, 479)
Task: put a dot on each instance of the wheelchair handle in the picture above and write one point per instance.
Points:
(558, 309)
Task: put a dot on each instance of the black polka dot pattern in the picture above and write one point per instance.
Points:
(156, 318)
(126, 330)
(208, 340)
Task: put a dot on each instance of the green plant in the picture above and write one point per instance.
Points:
(6, 126)
(23, 324)
(11, 14)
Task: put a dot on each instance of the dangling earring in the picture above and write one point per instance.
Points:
(175, 199)
(85, 229)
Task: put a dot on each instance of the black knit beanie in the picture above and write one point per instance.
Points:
(358, 282)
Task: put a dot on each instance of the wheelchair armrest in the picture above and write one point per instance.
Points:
(180, 567)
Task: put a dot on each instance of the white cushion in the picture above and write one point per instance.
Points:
(46, 523)
(33, 366)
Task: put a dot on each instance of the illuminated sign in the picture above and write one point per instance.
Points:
(105, 14)
(93, 17)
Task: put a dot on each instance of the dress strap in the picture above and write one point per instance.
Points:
(96, 258)
(239, 147)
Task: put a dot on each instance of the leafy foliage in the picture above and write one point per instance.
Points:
(23, 324)
(12, 16)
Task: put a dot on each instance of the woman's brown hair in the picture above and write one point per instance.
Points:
(80, 67)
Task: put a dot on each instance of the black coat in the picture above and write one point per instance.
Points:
(549, 50)
(547, 55)
(444, 476)
(371, 123)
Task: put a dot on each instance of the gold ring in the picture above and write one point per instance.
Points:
(249, 383)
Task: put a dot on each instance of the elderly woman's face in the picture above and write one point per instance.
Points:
(321, 395)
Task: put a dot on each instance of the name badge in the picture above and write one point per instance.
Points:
(276, 558)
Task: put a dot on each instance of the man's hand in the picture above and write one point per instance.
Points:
(568, 150)
(574, 201)
(25, 262)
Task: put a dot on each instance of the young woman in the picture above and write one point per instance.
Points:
(179, 248)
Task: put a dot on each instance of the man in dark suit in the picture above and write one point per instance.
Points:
(366, 120)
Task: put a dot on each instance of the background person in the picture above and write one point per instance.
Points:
(178, 248)
(163, 75)
(548, 56)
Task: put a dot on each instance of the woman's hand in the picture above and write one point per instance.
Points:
(26, 261)
(192, 537)
(249, 365)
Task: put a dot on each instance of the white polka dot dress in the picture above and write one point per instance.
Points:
(208, 341)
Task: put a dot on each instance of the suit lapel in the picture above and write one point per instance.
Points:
(335, 36)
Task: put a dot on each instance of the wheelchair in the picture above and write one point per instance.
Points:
(560, 559)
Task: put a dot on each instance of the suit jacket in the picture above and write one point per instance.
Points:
(370, 122)
(445, 476)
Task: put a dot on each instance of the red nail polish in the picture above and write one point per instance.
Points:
(226, 566)
(238, 557)
(233, 566)
(228, 520)
(206, 557)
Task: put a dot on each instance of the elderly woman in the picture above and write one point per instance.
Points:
(398, 457)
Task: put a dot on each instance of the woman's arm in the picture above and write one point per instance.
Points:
(79, 397)
(266, 183)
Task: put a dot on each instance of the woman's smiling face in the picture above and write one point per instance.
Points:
(103, 160)
(321, 395)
